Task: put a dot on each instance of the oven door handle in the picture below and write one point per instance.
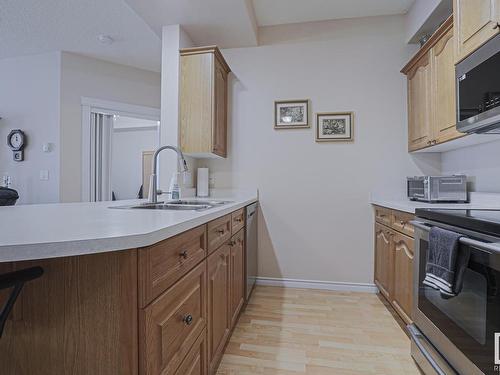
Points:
(415, 336)
(490, 247)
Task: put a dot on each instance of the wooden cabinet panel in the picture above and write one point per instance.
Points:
(237, 275)
(79, 318)
(170, 325)
(219, 130)
(219, 231)
(218, 304)
(419, 105)
(195, 362)
(161, 265)
(402, 291)
(237, 220)
(401, 223)
(476, 21)
(383, 215)
(383, 259)
(203, 102)
(443, 89)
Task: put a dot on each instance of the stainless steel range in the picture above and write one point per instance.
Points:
(461, 334)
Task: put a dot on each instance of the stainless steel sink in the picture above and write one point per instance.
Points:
(178, 205)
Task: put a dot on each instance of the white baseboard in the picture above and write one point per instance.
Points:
(315, 284)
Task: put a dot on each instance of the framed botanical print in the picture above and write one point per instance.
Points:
(331, 127)
(291, 114)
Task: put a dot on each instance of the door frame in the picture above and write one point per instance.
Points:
(94, 105)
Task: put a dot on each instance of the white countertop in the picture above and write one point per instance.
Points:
(478, 201)
(56, 230)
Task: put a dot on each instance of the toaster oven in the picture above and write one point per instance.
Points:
(437, 188)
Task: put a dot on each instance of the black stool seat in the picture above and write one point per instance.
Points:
(8, 197)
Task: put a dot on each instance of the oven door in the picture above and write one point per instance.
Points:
(461, 328)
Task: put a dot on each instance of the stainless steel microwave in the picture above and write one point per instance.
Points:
(437, 188)
(478, 90)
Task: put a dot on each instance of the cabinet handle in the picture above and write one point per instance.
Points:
(239, 219)
(434, 141)
(497, 26)
(187, 319)
(221, 231)
(402, 222)
(232, 243)
(429, 142)
(184, 254)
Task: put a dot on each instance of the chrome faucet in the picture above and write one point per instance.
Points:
(153, 190)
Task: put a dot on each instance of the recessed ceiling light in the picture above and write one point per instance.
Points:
(105, 39)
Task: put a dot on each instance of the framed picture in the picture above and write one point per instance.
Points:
(291, 114)
(331, 127)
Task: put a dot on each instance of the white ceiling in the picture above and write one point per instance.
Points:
(227, 23)
(39, 26)
(279, 12)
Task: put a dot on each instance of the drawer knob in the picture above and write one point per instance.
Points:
(402, 222)
(497, 26)
(232, 243)
(187, 319)
(183, 254)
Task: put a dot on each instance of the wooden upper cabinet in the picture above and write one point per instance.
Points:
(443, 84)
(203, 102)
(419, 105)
(431, 91)
(476, 21)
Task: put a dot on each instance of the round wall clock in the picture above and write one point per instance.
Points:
(16, 140)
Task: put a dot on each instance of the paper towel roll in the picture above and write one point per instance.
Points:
(202, 183)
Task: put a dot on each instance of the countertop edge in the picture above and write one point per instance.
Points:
(50, 250)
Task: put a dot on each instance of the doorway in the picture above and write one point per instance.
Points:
(117, 150)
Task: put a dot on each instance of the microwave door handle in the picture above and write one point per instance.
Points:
(490, 247)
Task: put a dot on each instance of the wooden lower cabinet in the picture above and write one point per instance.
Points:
(219, 322)
(402, 291)
(237, 268)
(195, 362)
(170, 325)
(383, 262)
(394, 261)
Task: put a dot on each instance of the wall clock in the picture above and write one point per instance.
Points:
(16, 140)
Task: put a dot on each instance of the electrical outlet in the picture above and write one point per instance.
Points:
(211, 181)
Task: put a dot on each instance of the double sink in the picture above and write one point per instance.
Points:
(178, 205)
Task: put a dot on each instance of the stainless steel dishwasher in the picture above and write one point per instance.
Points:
(251, 247)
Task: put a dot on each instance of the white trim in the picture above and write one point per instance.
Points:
(316, 284)
(123, 109)
(135, 129)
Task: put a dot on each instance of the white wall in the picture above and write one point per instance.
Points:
(481, 163)
(29, 100)
(316, 220)
(83, 76)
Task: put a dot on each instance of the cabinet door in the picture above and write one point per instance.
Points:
(419, 106)
(171, 324)
(402, 292)
(383, 261)
(237, 275)
(218, 304)
(219, 126)
(195, 362)
(476, 21)
(443, 89)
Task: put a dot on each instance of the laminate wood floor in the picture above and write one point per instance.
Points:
(303, 331)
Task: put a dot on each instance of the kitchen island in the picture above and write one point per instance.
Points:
(123, 291)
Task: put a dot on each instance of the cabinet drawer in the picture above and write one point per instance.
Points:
(383, 215)
(195, 362)
(161, 265)
(219, 231)
(172, 323)
(237, 220)
(401, 223)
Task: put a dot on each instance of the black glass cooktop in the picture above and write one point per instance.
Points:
(484, 221)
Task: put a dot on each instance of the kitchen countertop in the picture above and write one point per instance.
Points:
(478, 201)
(43, 231)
